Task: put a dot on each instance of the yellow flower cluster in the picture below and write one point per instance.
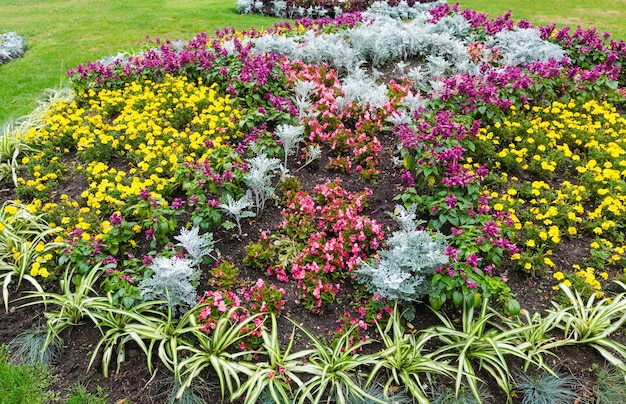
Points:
(586, 143)
(584, 280)
(138, 136)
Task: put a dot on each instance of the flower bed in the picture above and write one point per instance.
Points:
(149, 190)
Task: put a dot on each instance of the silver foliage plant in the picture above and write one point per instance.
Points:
(175, 278)
(238, 210)
(290, 136)
(524, 45)
(195, 245)
(172, 280)
(401, 271)
(11, 46)
(384, 38)
(362, 89)
(259, 179)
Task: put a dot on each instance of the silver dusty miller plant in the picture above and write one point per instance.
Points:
(11, 46)
(259, 179)
(197, 246)
(290, 136)
(401, 271)
(238, 210)
(175, 278)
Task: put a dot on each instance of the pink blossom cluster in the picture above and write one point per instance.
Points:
(336, 235)
(259, 298)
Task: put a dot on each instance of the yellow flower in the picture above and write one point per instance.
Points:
(559, 276)
(530, 243)
(10, 209)
(548, 262)
(604, 275)
(34, 270)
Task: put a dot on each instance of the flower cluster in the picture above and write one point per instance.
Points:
(319, 242)
(260, 297)
(586, 140)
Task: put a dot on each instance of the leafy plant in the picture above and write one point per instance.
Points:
(11, 146)
(274, 376)
(24, 246)
(592, 323)
(237, 209)
(290, 136)
(404, 359)
(335, 370)
(173, 279)
(214, 351)
(121, 326)
(72, 305)
(478, 345)
(535, 332)
(259, 179)
(197, 246)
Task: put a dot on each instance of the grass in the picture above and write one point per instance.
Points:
(21, 383)
(64, 33)
(603, 15)
(61, 34)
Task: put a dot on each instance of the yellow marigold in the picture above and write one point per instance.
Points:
(559, 276)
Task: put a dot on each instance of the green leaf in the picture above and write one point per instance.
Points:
(457, 298)
(436, 300)
(512, 307)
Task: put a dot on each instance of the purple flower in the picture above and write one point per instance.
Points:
(144, 194)
(407, 179)
(472, 260)
(146, 260)
(451, 201)
(177, 203)
(115, 219)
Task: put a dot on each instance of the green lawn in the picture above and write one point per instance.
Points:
(603, 15)
(63, 33)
